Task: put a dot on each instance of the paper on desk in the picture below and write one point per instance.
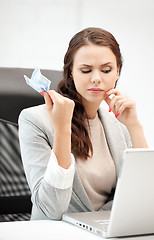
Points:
(38, 82)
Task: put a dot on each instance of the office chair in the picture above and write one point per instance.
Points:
(15, 197)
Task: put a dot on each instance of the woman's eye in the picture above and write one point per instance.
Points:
(106, 71)
(85, 71)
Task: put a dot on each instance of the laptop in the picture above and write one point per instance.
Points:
(133, 205)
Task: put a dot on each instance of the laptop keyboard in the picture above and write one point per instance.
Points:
(104, 223)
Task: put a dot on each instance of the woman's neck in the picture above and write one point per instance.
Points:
(91, 111)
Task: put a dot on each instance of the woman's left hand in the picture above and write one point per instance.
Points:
(123, 107)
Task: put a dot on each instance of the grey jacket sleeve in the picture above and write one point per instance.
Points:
(36, 144)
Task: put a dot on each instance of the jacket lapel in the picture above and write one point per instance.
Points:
(81, 193)
(115, 137)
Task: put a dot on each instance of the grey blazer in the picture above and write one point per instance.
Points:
(36, 141)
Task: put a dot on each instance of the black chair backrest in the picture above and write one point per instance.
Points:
(16, 95)
(15, 203)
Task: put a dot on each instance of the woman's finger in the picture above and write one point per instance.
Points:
(115, 102)
(48, 101)
(113, 91)
(107, 100)
(124, 105)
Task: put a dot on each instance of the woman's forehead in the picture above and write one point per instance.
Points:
(91, 53)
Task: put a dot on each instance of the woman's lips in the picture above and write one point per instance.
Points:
(95, 90)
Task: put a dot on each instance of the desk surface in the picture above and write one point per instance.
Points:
(47, 230)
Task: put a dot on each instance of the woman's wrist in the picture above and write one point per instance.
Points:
(136, 125)
(137, 135)
(62, 146)
(63, 130)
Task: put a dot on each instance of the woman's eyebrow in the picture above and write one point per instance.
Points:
(87, 65)
(104, 64)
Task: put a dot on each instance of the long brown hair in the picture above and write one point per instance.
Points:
(81, 144)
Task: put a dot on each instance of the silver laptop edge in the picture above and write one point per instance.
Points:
(134, 195)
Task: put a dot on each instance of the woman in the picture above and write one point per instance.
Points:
(72, 148)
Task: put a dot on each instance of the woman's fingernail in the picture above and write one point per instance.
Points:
(117, 115)
(107, 92)
(42, 94)
(110, 109)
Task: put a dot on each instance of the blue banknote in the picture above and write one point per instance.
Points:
(38, 82)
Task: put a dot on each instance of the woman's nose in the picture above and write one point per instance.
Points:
(96, 78)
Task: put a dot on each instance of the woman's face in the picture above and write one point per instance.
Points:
(94, 72)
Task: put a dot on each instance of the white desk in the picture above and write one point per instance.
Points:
(50, 230)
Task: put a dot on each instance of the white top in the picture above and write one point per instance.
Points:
(61, 178)
(98, 174)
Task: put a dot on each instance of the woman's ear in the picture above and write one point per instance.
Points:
(116, 83)
(117, 77)
(71, 76)
(118, 71)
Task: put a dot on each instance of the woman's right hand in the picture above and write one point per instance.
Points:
(60, 110)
